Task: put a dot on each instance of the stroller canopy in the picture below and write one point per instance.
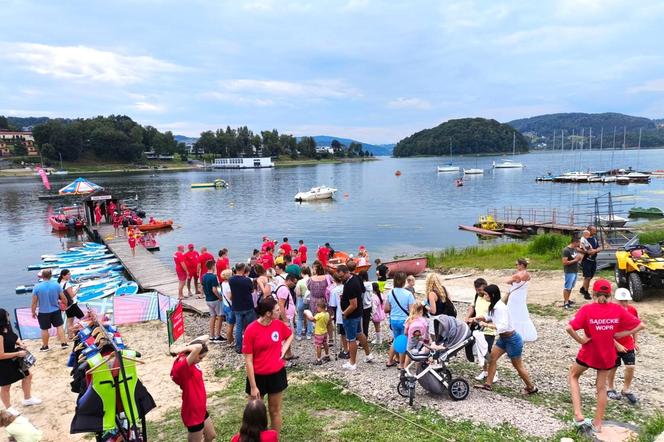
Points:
(80, 186)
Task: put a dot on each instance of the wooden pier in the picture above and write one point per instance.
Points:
(146, 269)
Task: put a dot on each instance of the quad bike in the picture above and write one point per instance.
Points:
(640, 266)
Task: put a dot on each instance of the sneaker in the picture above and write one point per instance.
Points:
(567, 305)
(349, 366)
(631, 397)
(613, 394)
(344, 355)
(64, 345)
(12, 410)
(44, 348)
(570, 302)
(318, 362)
(221, 338)
(216, 340)
(369, 358)
(330, 343)
(32, 401)
(308, 337)
(481, 376)
(298, 338)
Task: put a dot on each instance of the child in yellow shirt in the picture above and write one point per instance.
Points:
(321, 320)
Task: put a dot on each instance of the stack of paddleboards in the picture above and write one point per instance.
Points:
(95, 271)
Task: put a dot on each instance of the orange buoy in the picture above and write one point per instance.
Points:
(397, 173)
(346, 195)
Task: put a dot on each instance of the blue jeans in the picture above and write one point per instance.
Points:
(513, 345)
(352, 327)
(242, 320)
(301, 307)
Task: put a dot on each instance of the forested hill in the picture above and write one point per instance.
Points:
(468, 136)
(546, 124)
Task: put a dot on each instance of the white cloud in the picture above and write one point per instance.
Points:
(409, 103)
(355, 5)
(648, 86)
(557, 37)
(144, 106)
(258, 5)
(238, 99)
(84, 63)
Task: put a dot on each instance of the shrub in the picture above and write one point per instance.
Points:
(651, 237)
(549, 244)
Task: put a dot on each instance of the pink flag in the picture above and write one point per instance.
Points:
(44, 177)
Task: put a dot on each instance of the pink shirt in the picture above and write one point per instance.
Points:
(284, 293)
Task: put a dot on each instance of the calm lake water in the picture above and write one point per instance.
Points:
(415, 212)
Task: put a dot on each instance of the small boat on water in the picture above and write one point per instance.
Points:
(458, 182)
(473, 171)
(657, 173)
(149, 242)
(612, 221)
(63, 224)
(217, 184)
(156, 225)
(342, 258)
(479, 231)
(507, 164)
(448, 168)
(622, 179)
(642, 212)
(410, 266)
(316, 193)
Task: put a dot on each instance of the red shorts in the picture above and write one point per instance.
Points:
(319, 340)
(182, 276)
(132, 243)
(193, 273)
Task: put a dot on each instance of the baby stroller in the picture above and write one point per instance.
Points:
(430, 367)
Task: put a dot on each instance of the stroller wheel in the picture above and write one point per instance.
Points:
(402, 388)
(411, 394)
(458, 389)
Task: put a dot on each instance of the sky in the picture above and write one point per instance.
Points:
(364, 69)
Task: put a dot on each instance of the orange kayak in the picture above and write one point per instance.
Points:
(158, 224)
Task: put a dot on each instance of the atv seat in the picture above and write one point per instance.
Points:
(654, 250)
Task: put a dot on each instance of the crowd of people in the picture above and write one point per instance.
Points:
(271, 300)
(268, 302)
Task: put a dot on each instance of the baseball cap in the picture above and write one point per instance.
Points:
(623, 294)
(190, 246)
(180, 247)
(602, 287)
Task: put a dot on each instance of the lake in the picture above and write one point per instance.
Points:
(415, 212)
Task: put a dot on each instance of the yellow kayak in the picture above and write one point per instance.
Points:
(218, 183)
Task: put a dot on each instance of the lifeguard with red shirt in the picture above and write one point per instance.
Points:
(180, 269)
(323, 255)
(191, 260)
(222, 264)
(302, 249)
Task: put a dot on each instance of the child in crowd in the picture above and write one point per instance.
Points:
(417, 329)
(19, 428)
(131, 239)
(254, 424)
(626, 348)
(410, 284)
(334, 305)
(227, 311)
(117, 219)
(378, 311)
(320, 320)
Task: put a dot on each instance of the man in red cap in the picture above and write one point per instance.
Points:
(191, 260)
(601, 322)
(180, 269)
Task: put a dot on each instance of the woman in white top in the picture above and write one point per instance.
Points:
(517, 302)
(509, 341)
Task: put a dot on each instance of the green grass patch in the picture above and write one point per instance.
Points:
(544, 253)
(549, 311)
(651, 236)
(320, 410)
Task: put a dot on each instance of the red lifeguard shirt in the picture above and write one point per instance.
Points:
(267, 244)
(221, 265)
(203, 258)
(303, 253)
(194, 399)
(323, 254)
(178, 258)
(600, 322)
(264, 342)
(191, 260)
(286, 247)
(267, 261)
(266, 436)
(628, 341)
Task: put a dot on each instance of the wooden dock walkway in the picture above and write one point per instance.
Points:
(146, 269)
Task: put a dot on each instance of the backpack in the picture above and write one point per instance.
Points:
(274, 294)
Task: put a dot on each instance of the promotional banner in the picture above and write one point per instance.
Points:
(175, 324)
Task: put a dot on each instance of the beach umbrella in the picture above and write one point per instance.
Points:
(80, 186)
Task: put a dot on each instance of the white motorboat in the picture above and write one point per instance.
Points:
(474, 171)
(449, 168)
(612, 221)
(609, 179)
(622, 179)
(316, 193)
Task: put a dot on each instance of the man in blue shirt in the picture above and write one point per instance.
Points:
(242, 302)
(212, 291)
(47, 295)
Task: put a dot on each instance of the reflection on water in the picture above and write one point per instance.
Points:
(417, 211)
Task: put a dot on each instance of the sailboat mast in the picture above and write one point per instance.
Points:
(638, 152)
(513, 144)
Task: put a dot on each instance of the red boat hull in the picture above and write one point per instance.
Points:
(60, 226)
(410, 266)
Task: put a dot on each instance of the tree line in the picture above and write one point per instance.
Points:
(242, 142)
(116, 138)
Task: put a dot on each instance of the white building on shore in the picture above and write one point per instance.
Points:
(243, 163)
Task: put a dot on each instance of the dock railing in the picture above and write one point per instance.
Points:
(539, 216)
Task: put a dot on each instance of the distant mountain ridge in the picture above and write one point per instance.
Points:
(546, 124)
(376, 149)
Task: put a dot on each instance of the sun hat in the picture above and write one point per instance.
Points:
(602, 287)
(623, 294)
